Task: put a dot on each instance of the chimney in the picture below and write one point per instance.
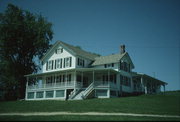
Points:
(122, 47)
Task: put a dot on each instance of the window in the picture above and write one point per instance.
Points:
(49, 94)
(30, 95)
(80, 62)
(49, 65)
(39, 94)
(59, 51)
(109, 65)
(58, 63)
(60, 93)
(124, 66)
(67, 62)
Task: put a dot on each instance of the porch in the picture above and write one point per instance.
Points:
(72, 81)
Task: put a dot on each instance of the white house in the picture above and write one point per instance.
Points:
(70, 73)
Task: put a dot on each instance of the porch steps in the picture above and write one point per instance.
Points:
(79, 95)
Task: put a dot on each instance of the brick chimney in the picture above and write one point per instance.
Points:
(122, 49)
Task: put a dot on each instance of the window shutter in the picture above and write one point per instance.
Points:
(52, 64)
(70, 61)
(64, 62)
(61, 63)
(47, 65)
(55, 65)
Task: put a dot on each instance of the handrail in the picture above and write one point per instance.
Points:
(90, 87)
(75, 91)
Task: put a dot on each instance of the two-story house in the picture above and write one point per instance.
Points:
(70, 73)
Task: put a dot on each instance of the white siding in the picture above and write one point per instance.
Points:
(54, 56)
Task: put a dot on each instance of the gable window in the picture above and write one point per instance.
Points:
(80, 62)
(59, 51)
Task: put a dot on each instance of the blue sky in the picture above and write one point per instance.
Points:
(150, 29)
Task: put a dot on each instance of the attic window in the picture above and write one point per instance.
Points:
(59, 51)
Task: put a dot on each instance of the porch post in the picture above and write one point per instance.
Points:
(55, 80)
(142, 84)
(66, 79)
(93, 76)
(108, 79)
(27, 78)
(145, 87)
(82, 78)
(75, 80)
(164, 87)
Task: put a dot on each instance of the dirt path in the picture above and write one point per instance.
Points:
(86, 113)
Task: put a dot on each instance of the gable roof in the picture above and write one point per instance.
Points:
(110, 59)
(72, 49)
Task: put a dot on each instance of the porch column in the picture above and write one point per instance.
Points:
(93, 76)
(75, 80)
(66, 80)
(27, 78)
(82, 77)
(142, 84)
(145, 89)
(108, 78)
(55, 80)
(164, 88)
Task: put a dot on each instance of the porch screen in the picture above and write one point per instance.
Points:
(101, 92)
(60, 93)
(30, 95)
(49, 94)
(39, 94)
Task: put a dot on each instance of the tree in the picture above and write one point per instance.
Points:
(23, 36)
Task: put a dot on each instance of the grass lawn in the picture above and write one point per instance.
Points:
(168, 103)
(83, 118)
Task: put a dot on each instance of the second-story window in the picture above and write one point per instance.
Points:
(125, 66)
(58, 63)
(80, 62)
(49, 65)
(67, 62)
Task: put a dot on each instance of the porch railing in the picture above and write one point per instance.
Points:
(55, 85)
(105, 84)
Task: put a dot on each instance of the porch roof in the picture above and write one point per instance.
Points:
(73, 69)
(135, 74)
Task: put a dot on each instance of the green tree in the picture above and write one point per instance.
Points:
(23, 36)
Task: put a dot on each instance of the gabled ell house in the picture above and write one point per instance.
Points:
(70, 73)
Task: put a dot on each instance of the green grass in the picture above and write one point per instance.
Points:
(168, 104)
(83, 118)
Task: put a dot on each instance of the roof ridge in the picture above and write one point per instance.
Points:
(75, 49)
(112, 55)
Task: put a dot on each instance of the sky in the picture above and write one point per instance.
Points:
(150, 30)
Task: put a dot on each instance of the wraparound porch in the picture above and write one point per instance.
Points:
(70, 81)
